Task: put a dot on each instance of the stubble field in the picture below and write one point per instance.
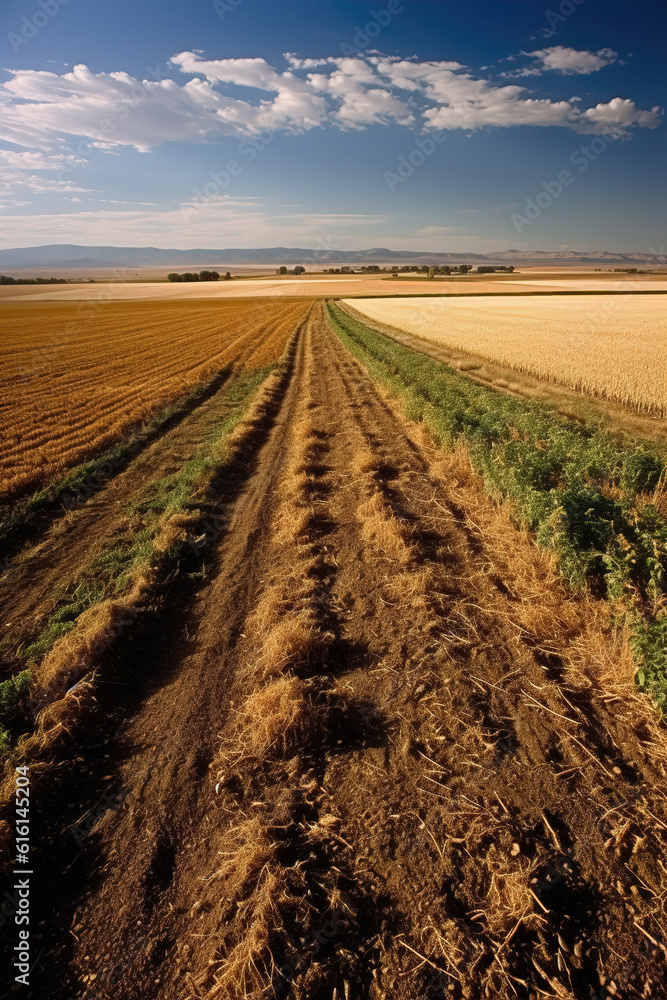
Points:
(75, 379)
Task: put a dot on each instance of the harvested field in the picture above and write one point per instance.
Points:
(610, 347)
(75, 379)
(379, 751)
(309, 285)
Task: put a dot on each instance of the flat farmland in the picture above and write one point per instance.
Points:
(314, 285)
(291, 672)
(608, 347)
(77, 378)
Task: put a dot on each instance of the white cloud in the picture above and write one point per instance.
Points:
(41, 160)
(364, 100)
(579, 61)
(618, 115)
(221, 221)
(40, 109)
(515, 74)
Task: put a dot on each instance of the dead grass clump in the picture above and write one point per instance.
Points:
(246, 852)
(383, 532)
(509, 898)
(246, 971)
(62, 715)
(364, 463)
(77, 653)
(413, 587)
(252, 878)
(175, 530)
(297, 523)
(294, 644)
(275, 721)
(232, 444)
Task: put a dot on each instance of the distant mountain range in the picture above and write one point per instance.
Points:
(64, 255)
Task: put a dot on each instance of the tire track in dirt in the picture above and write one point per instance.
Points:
(495, 672)
(380, 756)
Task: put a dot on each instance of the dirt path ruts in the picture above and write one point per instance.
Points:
(456, 803)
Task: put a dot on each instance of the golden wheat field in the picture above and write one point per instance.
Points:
(75, 378)
(613, 347)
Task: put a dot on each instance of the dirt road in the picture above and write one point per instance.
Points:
(380, 752)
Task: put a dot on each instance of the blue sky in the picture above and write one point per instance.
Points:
(439, 125)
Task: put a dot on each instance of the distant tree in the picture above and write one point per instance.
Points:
(431, 272)
(282, 270)
(5, 279)
(299, 270)
(464, 268)
(228, 276)
(208, 276)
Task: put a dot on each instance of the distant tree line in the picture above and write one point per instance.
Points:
(297, 270)
(202, 276)
(492, 268)
(6, 280)
(430, 269)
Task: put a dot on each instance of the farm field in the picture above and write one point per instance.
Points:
(76, 379)
(613, 348)
(357, 737)
(321, 285)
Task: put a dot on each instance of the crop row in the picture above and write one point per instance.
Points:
(611, 346)
(75, 382)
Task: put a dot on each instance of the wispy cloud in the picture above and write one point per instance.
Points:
(563, 60)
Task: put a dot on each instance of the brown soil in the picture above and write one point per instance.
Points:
(380, 753)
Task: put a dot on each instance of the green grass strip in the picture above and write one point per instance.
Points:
(109, 574)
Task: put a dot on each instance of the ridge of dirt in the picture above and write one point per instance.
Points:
(381, 753)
